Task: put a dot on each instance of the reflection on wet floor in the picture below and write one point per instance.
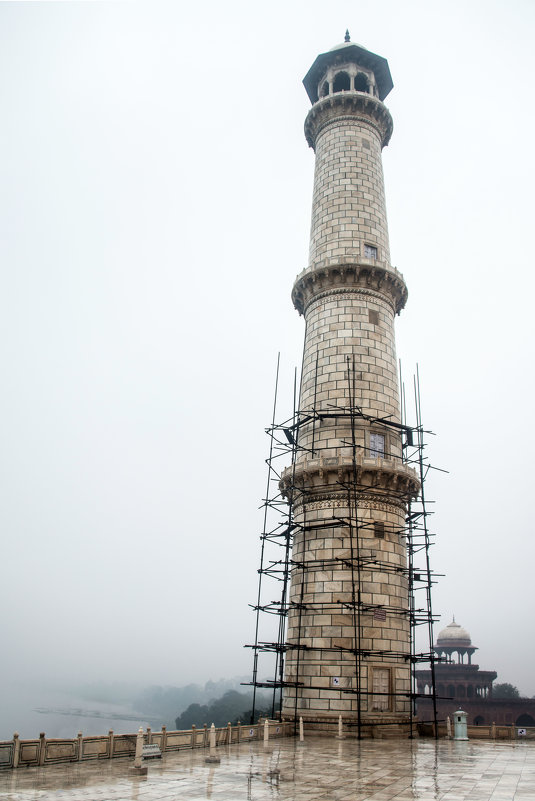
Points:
(321, 768)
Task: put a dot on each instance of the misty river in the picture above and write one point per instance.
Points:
(62, 714)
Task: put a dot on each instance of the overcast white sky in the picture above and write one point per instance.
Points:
(155, 209)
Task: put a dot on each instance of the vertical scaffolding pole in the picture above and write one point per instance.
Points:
(427, 545)
(263, 541)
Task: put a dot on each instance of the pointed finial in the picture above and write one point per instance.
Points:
(346, 37)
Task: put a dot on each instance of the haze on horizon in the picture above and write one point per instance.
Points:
(155, 211)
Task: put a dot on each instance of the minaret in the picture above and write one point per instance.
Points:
(348, 643)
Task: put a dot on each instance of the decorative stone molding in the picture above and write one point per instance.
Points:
(354, 106)
(380, 479)
(364, 501)
(363, 277)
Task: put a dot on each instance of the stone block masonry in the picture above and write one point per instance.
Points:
(348, 629)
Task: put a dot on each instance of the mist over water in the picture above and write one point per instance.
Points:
(64, 714)
(95, 708)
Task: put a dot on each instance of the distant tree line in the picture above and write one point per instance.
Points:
(164, 702)
(230, 708)
(505, 690)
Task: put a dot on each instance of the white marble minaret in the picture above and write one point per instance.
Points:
(348, 624)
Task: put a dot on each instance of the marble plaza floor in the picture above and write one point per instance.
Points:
(319, 770)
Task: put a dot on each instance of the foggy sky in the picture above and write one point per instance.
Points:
(155, 210)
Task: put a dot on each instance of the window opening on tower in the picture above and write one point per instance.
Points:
(377, 445)
(342, 82)
(361, 83)
(379, 529)
(373, 317)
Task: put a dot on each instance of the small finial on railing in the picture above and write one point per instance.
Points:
(138, 767)
(346, 37)
(212, 757)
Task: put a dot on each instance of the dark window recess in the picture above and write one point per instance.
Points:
(361, 83)
(325, 89)
(379, 529)
(366, 144)
(370, 251)
(342, 82)
(373, 317)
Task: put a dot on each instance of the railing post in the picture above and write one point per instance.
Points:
(42, 748)
(138, 767)
(193, 735)
(266, 731)
(212, 757)
(149, 735)
(239, 732)
(164, 738)
(111, 743)
(79, 737)
(139, 748)
(16, 750)
(229, 733)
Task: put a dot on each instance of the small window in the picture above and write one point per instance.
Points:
(373, 317)
(370, 251)
(379, 529)
(377, 445)
(381, 686)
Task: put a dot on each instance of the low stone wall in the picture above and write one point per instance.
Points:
(17, 753)
(497, 732)
(491, 732)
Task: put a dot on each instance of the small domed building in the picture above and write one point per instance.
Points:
(459, 683)
(455, 639)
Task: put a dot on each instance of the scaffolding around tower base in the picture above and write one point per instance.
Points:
(368, 681)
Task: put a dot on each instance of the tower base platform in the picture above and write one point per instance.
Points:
(372, 728)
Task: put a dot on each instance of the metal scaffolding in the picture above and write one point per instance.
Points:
(277, 563)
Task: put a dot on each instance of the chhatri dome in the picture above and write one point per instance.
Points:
(454, 634)
(364, 71)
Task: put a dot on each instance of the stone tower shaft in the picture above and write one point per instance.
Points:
(348, 636)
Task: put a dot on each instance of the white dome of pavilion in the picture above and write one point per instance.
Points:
(454, 634)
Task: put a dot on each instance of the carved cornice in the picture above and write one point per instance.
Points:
(362, 277)
(352, 106)
(338, 500)
(377, 481)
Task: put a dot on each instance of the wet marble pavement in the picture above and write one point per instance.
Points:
(319, 770)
